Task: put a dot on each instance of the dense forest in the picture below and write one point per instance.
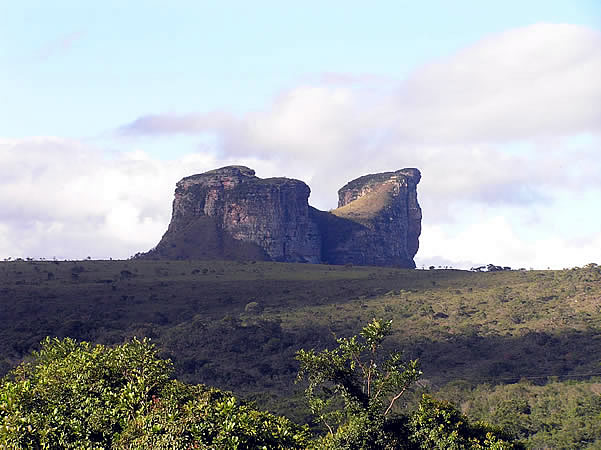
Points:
(516, 349)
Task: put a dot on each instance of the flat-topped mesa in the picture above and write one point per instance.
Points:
(231, 213)
(227, 177)
(202, 194)
(386, 207)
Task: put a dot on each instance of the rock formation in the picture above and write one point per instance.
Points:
(384, 221)
(229, 213)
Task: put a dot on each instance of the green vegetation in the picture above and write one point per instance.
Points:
(560, 415)
(356, 375)
(74, 395)
(478, 331)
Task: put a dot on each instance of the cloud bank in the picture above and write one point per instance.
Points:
(503, 132)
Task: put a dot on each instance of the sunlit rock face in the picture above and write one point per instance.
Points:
(230, 213)
(267, 218)
(384, 206)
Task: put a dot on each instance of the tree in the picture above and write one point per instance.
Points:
(75, 395)
(439, 425)
(353, 390)
(366, 385)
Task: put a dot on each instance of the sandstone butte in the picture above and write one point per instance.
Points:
(230, 213)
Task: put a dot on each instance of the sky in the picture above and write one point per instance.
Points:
(104, 106)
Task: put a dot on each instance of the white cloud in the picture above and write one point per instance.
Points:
(61, 198)
(538, 80)
(450, 118)
(495, 126)
(497, 241)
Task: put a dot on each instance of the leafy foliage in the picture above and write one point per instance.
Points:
(196, 416)
(75, 395)
(488, 329)
(439, 425)
(354, 373)
(354, 388)
(554, 415)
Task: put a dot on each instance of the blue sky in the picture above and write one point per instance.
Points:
(502, 95)
(75, 68)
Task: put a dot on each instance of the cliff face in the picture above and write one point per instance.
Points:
(230, 213)
(387, 215)
(270, 216)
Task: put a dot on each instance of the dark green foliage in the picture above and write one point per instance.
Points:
(439, 425)
(355, 374)
(186, 416)
(352, 390)
(492, 328)
(558, 415)
(75, 395)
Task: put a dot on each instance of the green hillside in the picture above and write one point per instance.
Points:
(237, 325)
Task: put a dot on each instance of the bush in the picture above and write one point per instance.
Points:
(439, 425)
(353, 390)
(253, 308)
(75, 395)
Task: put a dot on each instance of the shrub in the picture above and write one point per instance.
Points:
(76, 395)
(353, 390)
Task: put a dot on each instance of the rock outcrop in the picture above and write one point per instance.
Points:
(230, 213)
(383, 221)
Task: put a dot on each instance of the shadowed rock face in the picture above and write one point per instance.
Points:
(230, 213)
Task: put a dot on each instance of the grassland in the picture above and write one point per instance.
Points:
(237, 325)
